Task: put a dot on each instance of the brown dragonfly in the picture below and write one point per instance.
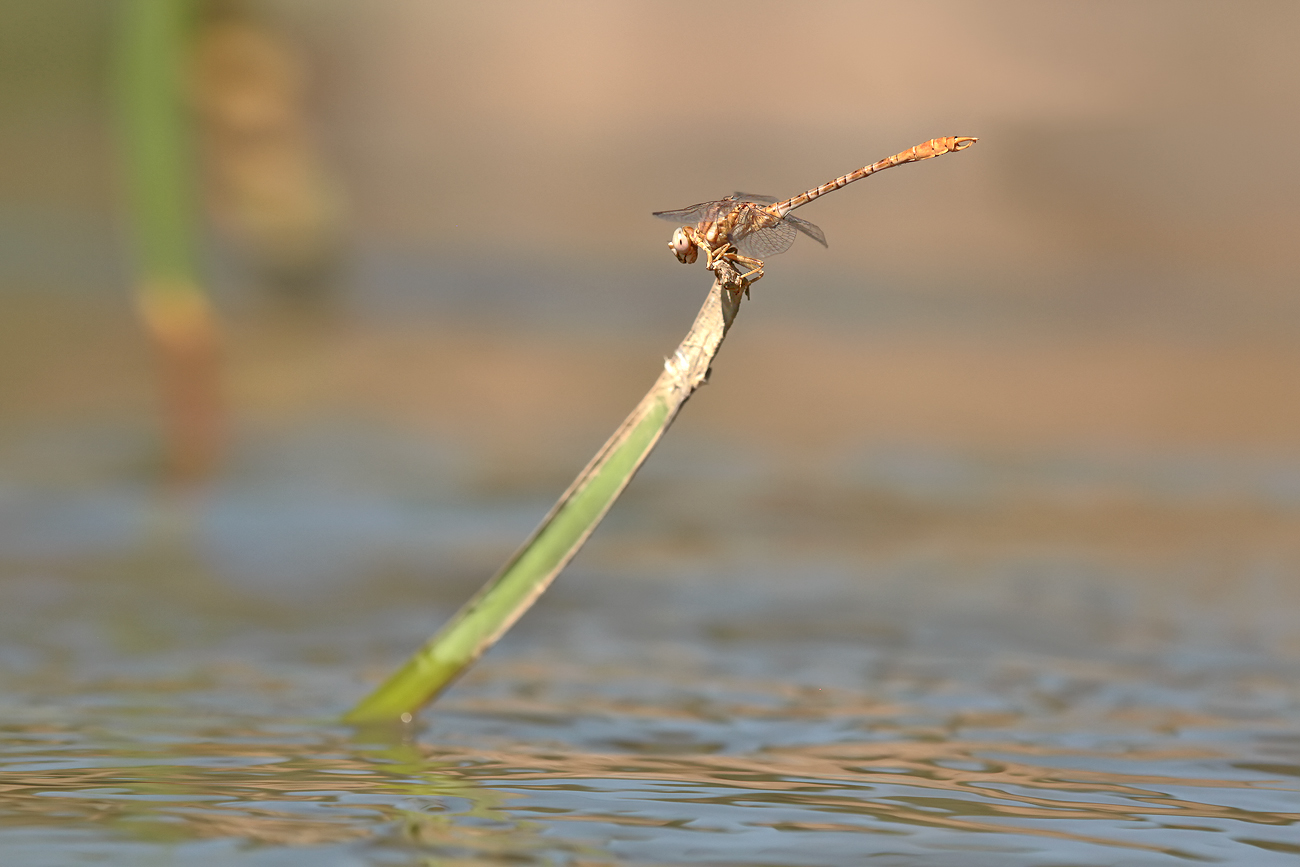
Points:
(745, 229)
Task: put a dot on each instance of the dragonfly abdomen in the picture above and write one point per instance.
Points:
(933, 148)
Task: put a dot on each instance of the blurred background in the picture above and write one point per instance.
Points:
(309, 309)
(433, 220)
(429, 224)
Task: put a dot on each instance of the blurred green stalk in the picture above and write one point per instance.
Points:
(504, 599)
(154, 131)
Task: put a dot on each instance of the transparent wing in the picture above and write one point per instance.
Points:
(761, 235)
(696, 213)
(712, 210)
(807, 228)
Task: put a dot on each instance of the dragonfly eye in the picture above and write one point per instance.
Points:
(683, 247)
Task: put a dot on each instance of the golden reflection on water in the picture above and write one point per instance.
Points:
(244, 785)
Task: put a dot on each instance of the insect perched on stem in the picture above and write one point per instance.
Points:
(745, 229)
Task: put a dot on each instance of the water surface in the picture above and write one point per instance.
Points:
(929, 659)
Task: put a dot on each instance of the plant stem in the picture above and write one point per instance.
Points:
(504, 599)
(152, 53)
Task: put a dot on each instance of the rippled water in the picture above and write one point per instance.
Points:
(929, 660)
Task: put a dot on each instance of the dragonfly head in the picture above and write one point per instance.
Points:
(683, 245)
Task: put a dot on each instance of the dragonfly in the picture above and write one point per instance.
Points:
(744, 229)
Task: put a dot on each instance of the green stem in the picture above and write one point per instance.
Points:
(153, 42)
(504, 599)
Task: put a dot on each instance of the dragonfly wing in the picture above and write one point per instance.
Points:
(766, 240)
(689, 215)
(752, 197)
(807, 228)
(696, 214)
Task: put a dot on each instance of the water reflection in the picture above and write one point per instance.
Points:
(825, 800)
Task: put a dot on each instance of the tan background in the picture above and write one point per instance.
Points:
(1112, 269)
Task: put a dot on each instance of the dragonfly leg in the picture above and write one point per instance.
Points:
(755, 267)
(712, 254)
(732, 256)
(724, 253)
